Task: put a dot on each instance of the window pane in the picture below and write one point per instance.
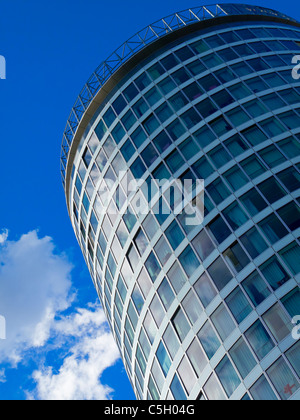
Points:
(259, 340)
(274, 273)
(254, 243)
(181, 324)
(238, 305)
(209, 340)
(278, 322)
(205, 290)
(163, 358)
(213, 390)
(220, 274)
(283, 379)
(223, 322)
(203, 245)
(291, 256)
(262, 391)
(242, 358)
(228, 376)
(197, 357)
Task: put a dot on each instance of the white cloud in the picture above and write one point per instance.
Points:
(35, 285)
(35, 290)
(92, 353)
(3, 236)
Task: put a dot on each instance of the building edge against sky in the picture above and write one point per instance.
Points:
(198, 311)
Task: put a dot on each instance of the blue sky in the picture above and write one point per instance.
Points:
(55, 328)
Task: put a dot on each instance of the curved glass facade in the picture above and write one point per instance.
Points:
(199, 311)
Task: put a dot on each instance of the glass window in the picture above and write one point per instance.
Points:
(274, 273)
(205, 290)
(290, 147)
(220, 126)
(189, 261)
(141, 242)
(219, 156)
(138, 300)
(196, 67)
(213, 390)
(189, 148)
(291, 257)
(290, 214)
(253, 202)
(256, 288)
(203, 245)
(223, 99)
(164, 112)
(171, 341)
(138, 137)
(169, 62)
(262, 391)
(119, 104)
(254, 136)
(273, 228)
(290, 178)
(223, 322)
(190, 118)
(118, 133)
(128, 150)
(220, 274)
(218, 191)
(152, 267)
(149, 155)
(235, 216)
(254, 243)
(181, 325)
(175, 161)
(204, 137)
(151, 124)
(253, 167)
(209, 340)
(177, 390)
(180, 76)
(259, 340)
(197, 357)
(176, 130)
(228, 376)
(272, 156)
(153, 96)
(236, 178)
(278, 322)
(206, 108)
(240, 91)
(219, 230)
(156, 71)
(283, 379)
(192, 307)
(177, 277)
(272, 127)
(187, 375)
(174, 235)
(144, 282)
(291, 302)
(143, 81)
(131, 92)
(150, 328)
(193, 91)
(236, 258)
(163, 251)
(163, 358)
(209, 83)
(166, 294)
(237, 116)
(238, 305)
(129, 120)
(138, 168)
(109, 117)
(167, 85)
(293, 357)
(203, 168)
(242, 358)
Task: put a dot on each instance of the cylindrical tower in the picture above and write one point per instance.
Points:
(199, 311)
